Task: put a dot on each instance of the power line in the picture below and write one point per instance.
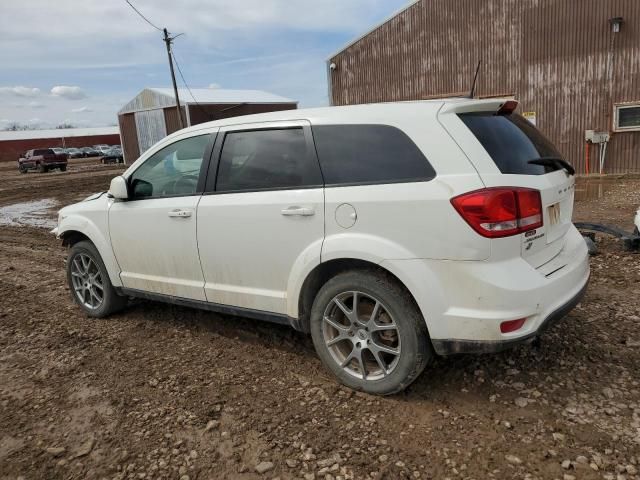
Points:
(142, 16)
(210, 115)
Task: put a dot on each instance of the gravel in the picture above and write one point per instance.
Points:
(166, 392)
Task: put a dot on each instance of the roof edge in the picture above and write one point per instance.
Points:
(374, 28)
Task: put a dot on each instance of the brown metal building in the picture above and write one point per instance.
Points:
(152, 114)
(14, 144)
(574, 65)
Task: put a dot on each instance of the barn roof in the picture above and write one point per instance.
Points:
(151, 98)
(57, 133)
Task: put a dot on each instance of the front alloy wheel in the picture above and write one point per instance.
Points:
(87, 281)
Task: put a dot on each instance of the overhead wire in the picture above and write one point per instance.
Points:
(143, 17)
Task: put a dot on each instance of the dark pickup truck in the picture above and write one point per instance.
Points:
(43, 160)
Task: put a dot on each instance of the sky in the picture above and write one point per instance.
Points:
(79, 61)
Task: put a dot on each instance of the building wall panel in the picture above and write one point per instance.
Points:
(171, 119)
(129, 137)
(558, 57)
(199, 113)
(150, 128)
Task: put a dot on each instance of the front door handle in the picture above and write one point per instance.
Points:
(180, 213)
(298, 211)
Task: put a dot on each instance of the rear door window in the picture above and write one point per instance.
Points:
(369, 154)
(267, 160)
(511, 141)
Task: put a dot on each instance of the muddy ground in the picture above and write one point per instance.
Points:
(167, 392)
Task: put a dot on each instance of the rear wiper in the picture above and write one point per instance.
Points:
(554, 162)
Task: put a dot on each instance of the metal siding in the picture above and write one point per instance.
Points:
(209, 112)
(150, 127)
(551, 54)
(148, 99)
(129, 137)
(171, 119)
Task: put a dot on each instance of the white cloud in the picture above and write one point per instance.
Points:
(35, 104)
(214, 85)
(21, 91)
(69, 92)
(82, 110)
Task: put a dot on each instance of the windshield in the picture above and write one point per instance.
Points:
(512, 141)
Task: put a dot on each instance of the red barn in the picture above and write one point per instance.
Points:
(14, 144)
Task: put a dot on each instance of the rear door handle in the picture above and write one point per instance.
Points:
(180, 213)
(298, 211)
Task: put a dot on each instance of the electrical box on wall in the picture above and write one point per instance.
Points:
(596, 137)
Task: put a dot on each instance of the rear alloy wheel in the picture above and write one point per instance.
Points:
(368, 331)
(89, 282)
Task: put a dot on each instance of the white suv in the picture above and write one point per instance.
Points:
(391, 232)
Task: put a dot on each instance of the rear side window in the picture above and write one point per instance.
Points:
(369, 154)
(511, 141)
(44, 151)
(267, 159)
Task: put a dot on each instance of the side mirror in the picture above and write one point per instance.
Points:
(118, 188)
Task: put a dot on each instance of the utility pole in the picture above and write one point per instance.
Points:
(168, 40)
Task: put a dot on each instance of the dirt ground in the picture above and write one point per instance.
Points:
(167, 392)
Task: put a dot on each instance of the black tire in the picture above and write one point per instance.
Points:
(41, 168)
(21, 169)
(111, 301)
(413, 342)
(63, 168)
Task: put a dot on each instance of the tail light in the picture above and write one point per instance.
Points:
(502, 211)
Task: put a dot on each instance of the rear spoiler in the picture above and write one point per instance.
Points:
(502, 106)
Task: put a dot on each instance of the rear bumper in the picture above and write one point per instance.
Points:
(465, 302)
(453, 347)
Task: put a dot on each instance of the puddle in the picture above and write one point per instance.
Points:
(592, 189)
(37, 213)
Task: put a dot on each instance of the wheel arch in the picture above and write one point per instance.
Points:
(323, 272)
(74, 229)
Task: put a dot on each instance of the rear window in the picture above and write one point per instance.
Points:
(44, 151)
(369, 154)
(511, 141)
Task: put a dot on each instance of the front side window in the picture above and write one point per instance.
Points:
(266, 159)
(172, 171)
(369, 154)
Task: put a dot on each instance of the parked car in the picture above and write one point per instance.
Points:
(102, 148)
(113, 155)
(43, 160)
(90, 152)
(58, 150)
(391, 233)
(74, 153)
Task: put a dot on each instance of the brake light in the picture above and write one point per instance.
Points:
(500, 212)
(508, 107)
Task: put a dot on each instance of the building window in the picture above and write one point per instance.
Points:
(627, 117)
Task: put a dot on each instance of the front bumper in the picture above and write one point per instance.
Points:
(453, 347)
